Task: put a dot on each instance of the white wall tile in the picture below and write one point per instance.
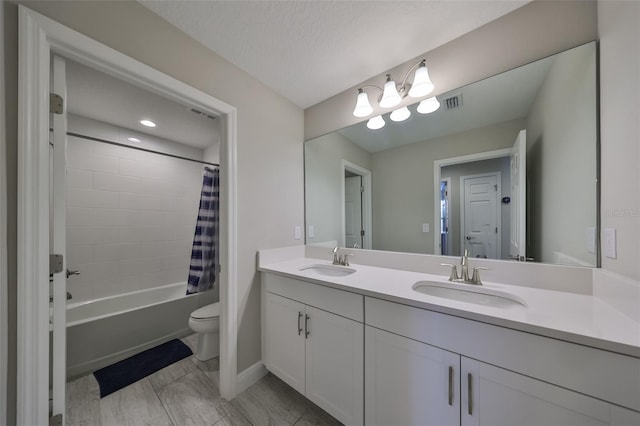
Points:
(131, 217)
(81, 197)
(77, 178)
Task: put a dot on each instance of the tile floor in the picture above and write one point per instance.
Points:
(187, 393)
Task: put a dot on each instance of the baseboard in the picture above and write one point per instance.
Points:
(249, 376)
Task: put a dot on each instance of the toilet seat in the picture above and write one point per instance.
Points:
(206, 312)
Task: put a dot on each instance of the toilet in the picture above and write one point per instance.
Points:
(206, 322)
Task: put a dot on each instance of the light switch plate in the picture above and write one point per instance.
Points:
(311, 232)
(425, 227)
(610, 243)
(591, 239)
(297, 232)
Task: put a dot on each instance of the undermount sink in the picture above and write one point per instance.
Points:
(329, 270)
(470, 294)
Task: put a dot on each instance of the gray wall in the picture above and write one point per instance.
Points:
(403, 184)
(561, 160)
(456, 171)
(619, 31)
(324, 177)
(270, 135)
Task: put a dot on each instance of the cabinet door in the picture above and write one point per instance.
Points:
(408, 382)
(284, 339)
(494, 396)
(335, 365)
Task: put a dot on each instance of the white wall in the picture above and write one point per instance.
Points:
(562, 158)
(619, 32)
(324, 177)
(454, 172)
(403, 184)
(131, 214)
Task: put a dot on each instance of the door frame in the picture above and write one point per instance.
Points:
(498, 176)
(4, 304)
(439, 217)
(39, 36)
(437, 167)
(366, 201)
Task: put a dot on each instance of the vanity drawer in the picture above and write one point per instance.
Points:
(606, 375)
(343, 303)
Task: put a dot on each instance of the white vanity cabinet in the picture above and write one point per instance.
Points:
(409, 383)
(422, 368)
(313, 340)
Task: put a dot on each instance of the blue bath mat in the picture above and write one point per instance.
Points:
(130, 370)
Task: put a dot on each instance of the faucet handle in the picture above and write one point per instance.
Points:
(475, 278)
(454, 271)
(346, 257)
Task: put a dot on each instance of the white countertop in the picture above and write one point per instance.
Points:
(576, 318)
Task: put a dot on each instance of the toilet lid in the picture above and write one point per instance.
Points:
(208, 311)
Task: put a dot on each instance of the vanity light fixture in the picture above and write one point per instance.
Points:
(428, 106)
(392, 94)
(136, 140)
(148, 123)
(376, 122)
(400, 114)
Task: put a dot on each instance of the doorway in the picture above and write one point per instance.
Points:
(356, 206)
(40, 38)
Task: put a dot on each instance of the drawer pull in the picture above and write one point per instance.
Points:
(306, 326)
(470, 393)
(450, 385)
(299, 324)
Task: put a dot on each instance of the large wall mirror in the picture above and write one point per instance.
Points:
(505, 168)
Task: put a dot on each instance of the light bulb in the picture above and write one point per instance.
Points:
(148, 123)
(390, 96)
(422, 84)
(400, 114)
(428, 105)
(363, 107)
(376, 122)
(133, 140)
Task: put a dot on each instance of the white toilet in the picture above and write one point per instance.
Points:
(206, 322)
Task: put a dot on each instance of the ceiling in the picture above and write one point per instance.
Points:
(308, 51)
(101, 97)
(504, 97)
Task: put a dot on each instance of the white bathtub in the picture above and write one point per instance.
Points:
(103, 331)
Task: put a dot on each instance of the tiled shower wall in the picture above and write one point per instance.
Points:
(130, 218)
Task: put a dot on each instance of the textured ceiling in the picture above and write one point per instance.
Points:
(308, 51)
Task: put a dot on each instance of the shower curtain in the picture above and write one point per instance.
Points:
(204, 252)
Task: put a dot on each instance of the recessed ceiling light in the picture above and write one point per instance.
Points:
(133, 139)
(148, 123)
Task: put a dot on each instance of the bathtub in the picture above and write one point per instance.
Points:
(103, 331)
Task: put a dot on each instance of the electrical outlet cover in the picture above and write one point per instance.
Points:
(610, 243)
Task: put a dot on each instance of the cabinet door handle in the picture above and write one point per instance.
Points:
(306, 326)
(299, 325)
(450, 385)
(470, 393)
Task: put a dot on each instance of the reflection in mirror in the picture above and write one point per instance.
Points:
(506, 168)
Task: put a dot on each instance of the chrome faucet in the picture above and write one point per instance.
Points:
(464, 271)
(342, 260)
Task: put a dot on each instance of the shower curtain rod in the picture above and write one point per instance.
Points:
(91, 138)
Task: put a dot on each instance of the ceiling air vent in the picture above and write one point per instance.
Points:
(454, 101)
(195, 111)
